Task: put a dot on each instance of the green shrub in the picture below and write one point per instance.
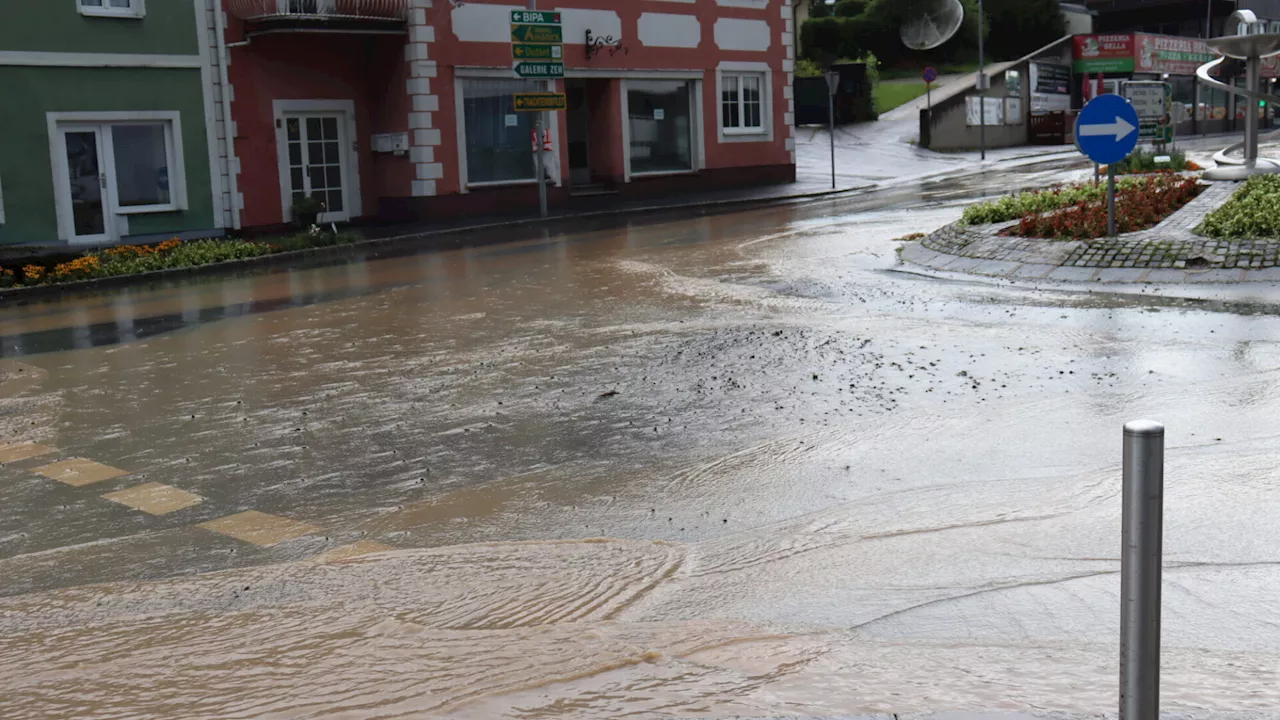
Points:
(1144, 161)
(1013, 207)
(1253, 212)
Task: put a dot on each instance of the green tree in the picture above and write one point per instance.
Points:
(851, 8)
(819, 9)
(1020, 27)
(875, 31)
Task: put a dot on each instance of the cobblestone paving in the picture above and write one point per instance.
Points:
(1168, 252)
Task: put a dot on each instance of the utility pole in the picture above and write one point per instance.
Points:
(982, 85)
(1208, 19)
(538, 158)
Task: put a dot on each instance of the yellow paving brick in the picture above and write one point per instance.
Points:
(22, 451)
(155, 498)
(356, 549)
(78, 472)
(259, 528)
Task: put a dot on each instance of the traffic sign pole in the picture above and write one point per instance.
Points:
(540, 155)
(1111, 200)
(1106, 132)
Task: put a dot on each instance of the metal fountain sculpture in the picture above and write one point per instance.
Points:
(1251, 43)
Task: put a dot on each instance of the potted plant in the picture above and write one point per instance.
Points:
(307, 209)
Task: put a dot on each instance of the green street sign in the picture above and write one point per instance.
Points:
(537, 102)
(540, 69)
(520, 51)
(535, 17)
(537, 34)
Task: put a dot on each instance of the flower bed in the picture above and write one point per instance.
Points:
(137, 259)
(1140, 204)
(1013, 207)
(1252, 212)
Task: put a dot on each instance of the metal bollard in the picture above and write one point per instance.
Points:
(1140, 570)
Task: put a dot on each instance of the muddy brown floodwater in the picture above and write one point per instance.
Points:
(692, 466)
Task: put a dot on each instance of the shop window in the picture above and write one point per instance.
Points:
(660, 120)
(499, 139)
(742, 103)
(143, 156)
(112, 8)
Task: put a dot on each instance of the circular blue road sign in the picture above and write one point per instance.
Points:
(1107, 129)
(929, 75)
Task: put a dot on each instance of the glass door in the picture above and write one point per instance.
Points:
(317, 163)
(86, 195)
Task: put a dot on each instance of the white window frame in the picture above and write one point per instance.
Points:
(137, 9)
(698, 148)
(764, 133)
(740, 78)
(172, 121)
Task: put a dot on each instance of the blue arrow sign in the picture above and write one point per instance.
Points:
(1107, 129)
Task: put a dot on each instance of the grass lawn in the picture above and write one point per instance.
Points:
(914, 73)
(888, 96)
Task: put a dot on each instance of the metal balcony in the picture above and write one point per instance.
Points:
(344, 16)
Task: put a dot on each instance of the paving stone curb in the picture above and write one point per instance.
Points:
(1170, 252)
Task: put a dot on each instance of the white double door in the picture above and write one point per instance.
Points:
(317, 162)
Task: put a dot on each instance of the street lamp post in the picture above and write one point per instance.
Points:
(833, 84)
(982, 86)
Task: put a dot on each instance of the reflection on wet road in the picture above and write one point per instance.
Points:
(691, 466)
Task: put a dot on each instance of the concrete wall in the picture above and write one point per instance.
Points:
(52, 59)
(948, 128)
(694, 39)
(369, 71)
(56, 25)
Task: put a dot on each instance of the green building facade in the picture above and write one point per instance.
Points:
(110, 122)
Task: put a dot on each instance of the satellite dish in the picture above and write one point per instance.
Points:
(933, 24)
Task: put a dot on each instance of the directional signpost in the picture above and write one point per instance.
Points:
(1107, 131)
(537, 49)
(539, 101)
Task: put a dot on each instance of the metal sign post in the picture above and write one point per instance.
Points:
(833, 84)
(929, 76)
(1111, 200)
(1106, 132)
(531, 31)
(1141, 557)
(983, 84)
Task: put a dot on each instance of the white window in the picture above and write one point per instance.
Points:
(113, 8)
(742, 103)
(113, 164)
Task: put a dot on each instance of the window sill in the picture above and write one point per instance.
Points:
(745, 131)
(502, 183)
(144, 209)
(108, 13)
(662, 173)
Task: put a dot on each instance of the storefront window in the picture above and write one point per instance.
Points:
(661, 124)
(499, 139)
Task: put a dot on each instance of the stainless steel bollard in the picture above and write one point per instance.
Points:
(1140, 570)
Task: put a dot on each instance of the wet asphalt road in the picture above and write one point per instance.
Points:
(686, 465)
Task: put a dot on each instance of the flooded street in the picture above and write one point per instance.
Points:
(678, 466)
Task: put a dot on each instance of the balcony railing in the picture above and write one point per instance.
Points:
(320, 10)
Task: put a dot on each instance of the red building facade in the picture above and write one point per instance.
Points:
(403, 109)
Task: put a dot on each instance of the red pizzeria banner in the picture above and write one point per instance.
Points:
(1148, 54)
